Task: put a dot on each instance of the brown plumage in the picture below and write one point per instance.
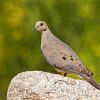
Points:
(61, 56)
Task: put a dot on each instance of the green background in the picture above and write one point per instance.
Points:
(76, 22)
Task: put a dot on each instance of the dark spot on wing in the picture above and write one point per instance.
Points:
(64, 58)
(72, 59)
(61, 53)
(88, 75)
(70, 55)
(54, 65)
(79, 64)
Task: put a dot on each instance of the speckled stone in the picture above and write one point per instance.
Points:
(38, 85)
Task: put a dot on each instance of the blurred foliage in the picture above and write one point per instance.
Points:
(76, 22)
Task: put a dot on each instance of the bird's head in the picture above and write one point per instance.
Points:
(40, 26)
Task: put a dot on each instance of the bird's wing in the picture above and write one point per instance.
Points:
(61, 56)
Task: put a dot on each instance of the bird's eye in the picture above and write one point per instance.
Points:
(41, 24)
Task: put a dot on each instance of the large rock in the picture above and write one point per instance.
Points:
(37, 85)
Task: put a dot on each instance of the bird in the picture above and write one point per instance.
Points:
(61, 56)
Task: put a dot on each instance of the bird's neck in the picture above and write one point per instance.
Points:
(45, 38)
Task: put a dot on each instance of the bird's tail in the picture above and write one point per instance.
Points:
(90, 80)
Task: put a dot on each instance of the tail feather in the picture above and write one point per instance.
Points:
(91, 81)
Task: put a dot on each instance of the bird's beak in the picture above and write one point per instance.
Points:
(34, 29)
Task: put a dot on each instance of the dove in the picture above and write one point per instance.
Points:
(61, 56)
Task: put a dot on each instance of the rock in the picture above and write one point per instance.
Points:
(38, 85)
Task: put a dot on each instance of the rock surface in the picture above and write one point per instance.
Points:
(38, 85)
